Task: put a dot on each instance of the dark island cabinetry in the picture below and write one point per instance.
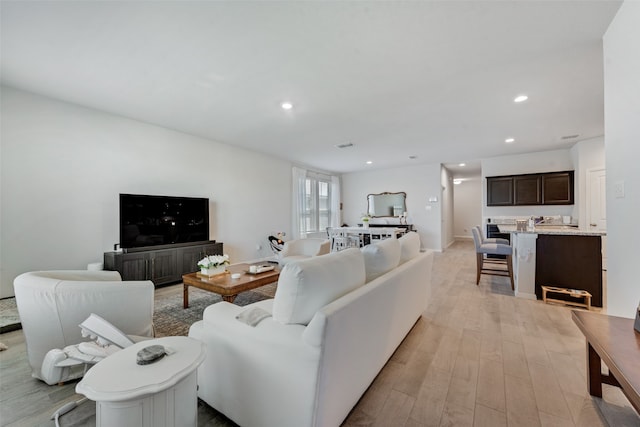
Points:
(555, 188)
(162, 266)
(569, 261)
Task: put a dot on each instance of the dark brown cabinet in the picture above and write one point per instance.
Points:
(573, 262)
(554, 188)
(162, 266)
(557, 188)
(526, 190)
(500, 191)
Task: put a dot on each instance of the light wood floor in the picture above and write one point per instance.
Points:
(478, 357)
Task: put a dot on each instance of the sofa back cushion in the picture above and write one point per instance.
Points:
(409, 246)
(380, 258)
(307, 285)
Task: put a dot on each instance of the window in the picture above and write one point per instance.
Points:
(316, 202)
(316, 215)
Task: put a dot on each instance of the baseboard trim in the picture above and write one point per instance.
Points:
(526, 295)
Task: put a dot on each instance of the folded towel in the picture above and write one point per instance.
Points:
(252, 316)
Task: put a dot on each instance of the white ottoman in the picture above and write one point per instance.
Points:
(161, 394)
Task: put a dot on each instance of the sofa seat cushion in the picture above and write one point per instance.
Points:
(380, 258)
(307, 285)
(409, 246)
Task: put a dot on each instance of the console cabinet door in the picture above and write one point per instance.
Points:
(527, 190)
(557, 188)
(134, 266)
(163, 266)
(500, 191)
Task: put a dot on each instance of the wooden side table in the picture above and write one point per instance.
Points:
(163, 393)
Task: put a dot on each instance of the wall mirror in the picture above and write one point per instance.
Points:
(386, 204)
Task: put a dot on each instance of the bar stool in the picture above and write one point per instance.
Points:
(491, 239)
(483, 249)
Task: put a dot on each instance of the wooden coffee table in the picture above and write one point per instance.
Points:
(613, 341)
(224, 285)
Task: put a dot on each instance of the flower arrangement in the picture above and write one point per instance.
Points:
(365, 218)
(214, 261)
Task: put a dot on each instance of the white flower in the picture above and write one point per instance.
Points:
(213, 261)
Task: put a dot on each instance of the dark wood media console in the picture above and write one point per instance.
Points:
(163, 265)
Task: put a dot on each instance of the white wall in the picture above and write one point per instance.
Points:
(467, 202)
(63, 167)
(622, 143)
(544, 161)
(420, 182)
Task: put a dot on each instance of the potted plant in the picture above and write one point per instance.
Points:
(213, 264)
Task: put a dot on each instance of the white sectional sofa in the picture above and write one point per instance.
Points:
(317, 346)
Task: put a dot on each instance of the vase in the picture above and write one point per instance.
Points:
(212, 271)
(365, 224)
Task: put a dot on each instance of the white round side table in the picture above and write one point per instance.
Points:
(164, 393)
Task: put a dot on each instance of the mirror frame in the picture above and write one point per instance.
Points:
(404, 202)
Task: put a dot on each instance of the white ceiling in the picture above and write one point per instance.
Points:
(432, 79)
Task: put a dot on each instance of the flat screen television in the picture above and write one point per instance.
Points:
(162, 220)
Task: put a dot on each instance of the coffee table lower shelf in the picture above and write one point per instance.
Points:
(224, 285)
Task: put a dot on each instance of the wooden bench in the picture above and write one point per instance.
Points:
(613, 341)
(575, 293)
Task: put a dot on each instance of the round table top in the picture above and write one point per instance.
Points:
(119, 377)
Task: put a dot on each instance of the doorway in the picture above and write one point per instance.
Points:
(597, 206)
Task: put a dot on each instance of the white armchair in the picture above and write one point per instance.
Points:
(52, 304)
(303, 248)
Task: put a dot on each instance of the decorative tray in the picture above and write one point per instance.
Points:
(261, 269)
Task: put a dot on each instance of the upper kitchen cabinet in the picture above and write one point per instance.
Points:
(500, 191)
(555, 188)
(527, 190)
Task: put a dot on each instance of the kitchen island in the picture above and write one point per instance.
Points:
(560, 256)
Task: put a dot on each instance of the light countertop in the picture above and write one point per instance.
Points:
(554, 229)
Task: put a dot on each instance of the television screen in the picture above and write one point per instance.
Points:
(162, 220)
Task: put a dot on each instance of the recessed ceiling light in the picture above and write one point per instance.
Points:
(457, 181)
(520, 98)
(509, 140)
(286, 105)
(369, 162)
(462, 165)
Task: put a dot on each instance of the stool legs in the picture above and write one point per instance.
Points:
(510, 268)
(479, 259)
(480, 268)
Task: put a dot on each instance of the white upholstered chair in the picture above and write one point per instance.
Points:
(303, 248)
(52, 304)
